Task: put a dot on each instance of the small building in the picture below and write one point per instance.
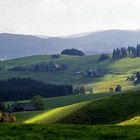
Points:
(77, 72)
(55, 56)
(18, 107)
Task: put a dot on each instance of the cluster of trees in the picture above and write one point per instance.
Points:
(119, 53)
(79, 90)
(26, 88)
(123, 52)
(104, 57)
(73, 52)
(41, 67)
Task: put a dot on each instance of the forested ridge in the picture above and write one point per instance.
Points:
(26, 88)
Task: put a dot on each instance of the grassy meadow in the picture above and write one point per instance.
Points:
(68, 132)
(58, 103)
(104, 117)
(111, 110)
(119, 70)
(101, 115)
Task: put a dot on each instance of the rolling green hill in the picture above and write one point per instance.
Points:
(56, 103)
(119, 70)
(112, 110)
(55, 115)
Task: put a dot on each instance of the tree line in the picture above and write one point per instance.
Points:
(122, 52)
(47, 67)
(26, 88)
(129, 51)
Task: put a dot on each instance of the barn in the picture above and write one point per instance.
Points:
(18, 107)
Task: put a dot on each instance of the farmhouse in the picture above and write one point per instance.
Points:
(95, 72)
(17, 107)
(55, 56)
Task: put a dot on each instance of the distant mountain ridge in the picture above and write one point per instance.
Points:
(15, 45)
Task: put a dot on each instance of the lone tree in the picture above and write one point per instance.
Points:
(38, 101)
(118, 88)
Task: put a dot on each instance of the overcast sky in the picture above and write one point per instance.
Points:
(62, 17)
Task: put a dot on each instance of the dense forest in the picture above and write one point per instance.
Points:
(26, 88)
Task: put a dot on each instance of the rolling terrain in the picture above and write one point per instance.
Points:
(100, 115)
(112, 110)
(118, 71)
(57, 104)
(109, 109)
(110, 115)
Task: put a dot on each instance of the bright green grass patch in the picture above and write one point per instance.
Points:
(110, 81)
(132, 121)
(127, 64)
(56, 102)
(68, 132)
(56, 114)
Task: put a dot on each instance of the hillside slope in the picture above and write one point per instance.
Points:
(57, 102)
(116, 109)
(112, 110)
(13, 46)
(54, 115)
(118, 71)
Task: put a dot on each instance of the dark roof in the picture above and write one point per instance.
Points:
(22, 107)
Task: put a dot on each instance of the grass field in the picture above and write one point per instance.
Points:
(111, 110)
(55, 115)
(112, 116)
(56, 103)
(117, 114)
(116, 109)
(108, 117)
(68, 132)
(119, 70)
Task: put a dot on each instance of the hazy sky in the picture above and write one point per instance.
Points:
(61, 17)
